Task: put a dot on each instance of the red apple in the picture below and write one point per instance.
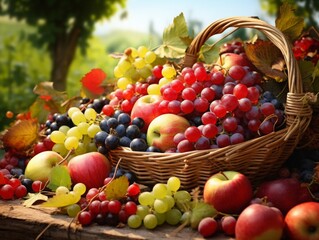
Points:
(39, 167)
(229, 191)
(89, 168)
(231, 59)
(146, 107)
(302, 221)
(283, 193)
(258, 221)
(163, 128)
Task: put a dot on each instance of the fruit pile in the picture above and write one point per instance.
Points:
(160, 106)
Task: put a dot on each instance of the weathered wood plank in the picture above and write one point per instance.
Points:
(18, 222)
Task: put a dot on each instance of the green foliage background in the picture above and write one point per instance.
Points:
(22, 65)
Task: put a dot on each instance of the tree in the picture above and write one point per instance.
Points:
(308, 9)
(61, 26)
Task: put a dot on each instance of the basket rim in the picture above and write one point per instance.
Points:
(271, 32)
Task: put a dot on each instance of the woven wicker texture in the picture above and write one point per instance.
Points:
(257, 158)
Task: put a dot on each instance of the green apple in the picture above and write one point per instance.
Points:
(39, 167)
(163, 128)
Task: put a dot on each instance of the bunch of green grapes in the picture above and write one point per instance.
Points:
(79, 138)
(135, 65)
(158, 206)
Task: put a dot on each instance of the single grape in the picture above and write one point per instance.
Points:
(150, 221)
(160, 205)
(71, 143)
(79, 188)
(159, 190)
(73, 209)
(173, 216)
(78, 117)
(90, 114)
(173, 184)
(57, 136)
(134, 221)
(146, 199)
(207, 227)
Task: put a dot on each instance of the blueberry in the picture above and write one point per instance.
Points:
(125, 141)
(133, 131)
(112, 141)
(138, 144)
(102, 149)
(27, 183)
(112, 122)
(130, 176)
(120, 130)
(100, 137)
(153, 149)
(124, 119)
(16, 172)
(138, 122)
(104, 126)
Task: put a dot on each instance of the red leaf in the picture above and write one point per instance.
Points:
(92, 81)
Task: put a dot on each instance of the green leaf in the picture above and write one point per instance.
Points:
(59, 176)
(175, 39)
(200, 211)
(117, 188)
(306, 70)
(34, 197)
(62, 200)
(291, 25)
(208, 53)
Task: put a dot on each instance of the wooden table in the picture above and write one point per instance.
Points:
(18, 222)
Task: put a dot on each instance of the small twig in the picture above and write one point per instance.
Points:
(43, 231)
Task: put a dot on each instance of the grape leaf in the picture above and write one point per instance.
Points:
(200, 211)
(117, 188)
(291, 25)
(34, 197)
(92, 83)
(59, 176)
(307, 70)
(175, 39)
(21, 135)
(267, 58)
(49, 98)
(62, 200)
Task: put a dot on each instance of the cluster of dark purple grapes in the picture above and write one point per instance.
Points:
(57, 120)
(301, 164)
(121, 130)
(232, 47)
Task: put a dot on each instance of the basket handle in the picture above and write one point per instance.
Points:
(271, 32)
(295, 106)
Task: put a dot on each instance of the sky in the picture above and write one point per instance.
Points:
(140, 13)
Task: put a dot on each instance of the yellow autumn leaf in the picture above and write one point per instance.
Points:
(62, 200)
(117, 188)
(34, 197)
(21, 135)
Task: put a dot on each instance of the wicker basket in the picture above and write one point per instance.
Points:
(257, 158)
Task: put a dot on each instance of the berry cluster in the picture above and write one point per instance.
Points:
(96, 208)
(306, 48)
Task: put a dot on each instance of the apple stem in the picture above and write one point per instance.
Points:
(222, 173)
